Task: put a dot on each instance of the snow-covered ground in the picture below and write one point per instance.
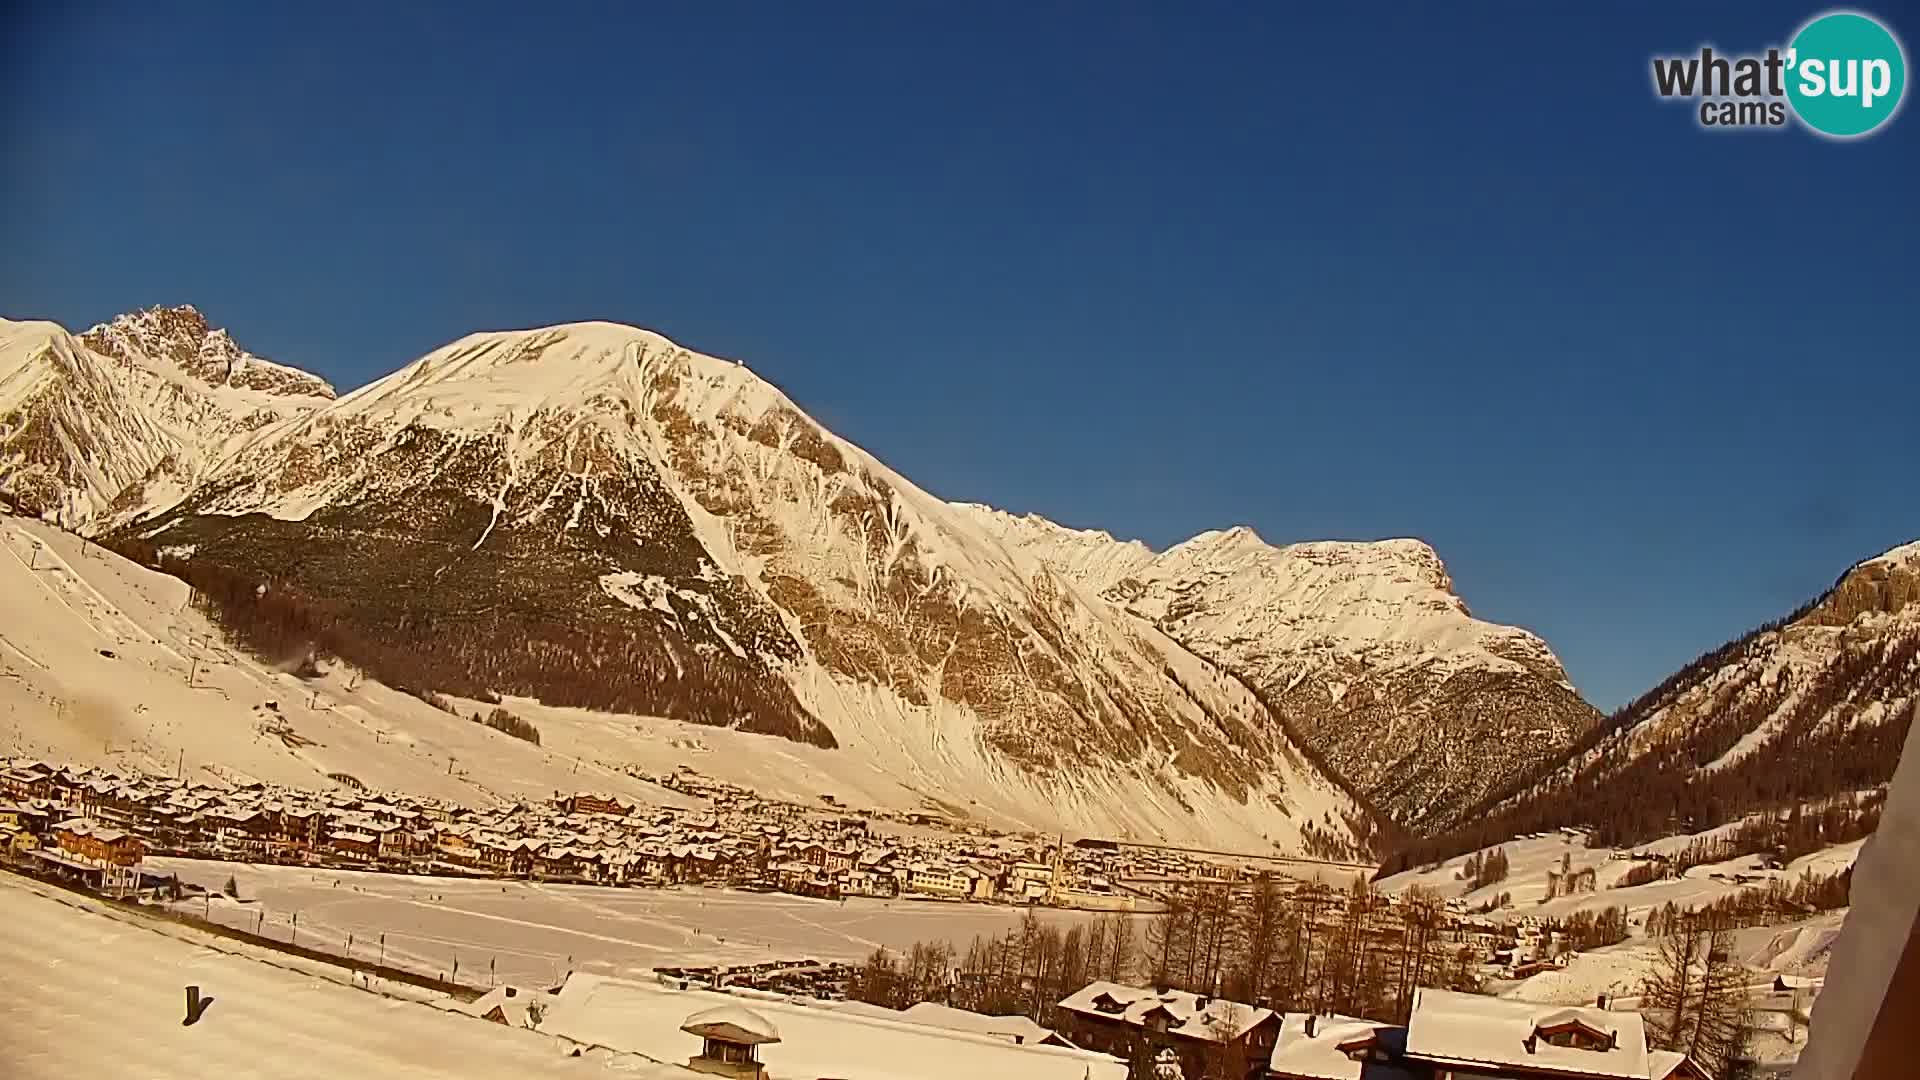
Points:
(1619, 971)
(1530, 859)
(534, 933)
(90, 991)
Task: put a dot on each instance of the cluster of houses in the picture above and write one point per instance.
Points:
(1104, 1031)
(1449, 1036)
(585, 837)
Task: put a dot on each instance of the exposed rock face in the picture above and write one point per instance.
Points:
(1363, 647)
(181, 337)
(96, 426)
(591, 515)
(1888, 585)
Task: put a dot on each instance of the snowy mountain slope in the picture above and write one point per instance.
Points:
(71, 434)
(1808, 694)
(104, 662)
(592, 516)
(89, 424)
(1363, 646)
(1811, 707)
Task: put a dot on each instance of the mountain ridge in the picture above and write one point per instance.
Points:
(514, 511)
(1363, 645)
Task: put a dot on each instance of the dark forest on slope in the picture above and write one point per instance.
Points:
(1835, 734)
(423, 642)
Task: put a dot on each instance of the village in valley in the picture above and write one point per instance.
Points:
(1167, 975)
(734, 838)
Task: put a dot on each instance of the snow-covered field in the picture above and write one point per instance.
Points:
(534, 933)
(93, 992)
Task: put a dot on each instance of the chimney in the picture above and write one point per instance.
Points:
(1600, 1002)
(1311, 1017)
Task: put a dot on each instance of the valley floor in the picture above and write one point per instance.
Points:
(535, 932)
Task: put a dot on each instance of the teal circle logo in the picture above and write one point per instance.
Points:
(1846, 74)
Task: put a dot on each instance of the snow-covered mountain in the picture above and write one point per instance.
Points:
(180, 337)
(1818, 695)
(89, 423)
(1364, 647)
(1812, 707)
(592, 516)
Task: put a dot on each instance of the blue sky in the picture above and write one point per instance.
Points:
(1354, 272)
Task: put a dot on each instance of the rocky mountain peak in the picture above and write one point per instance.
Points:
(1362, 645)
(180, 336)
(1887, 585)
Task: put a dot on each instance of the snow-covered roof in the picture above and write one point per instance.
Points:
(814, 1041)
(732, 1023)
(1454, 1028)
(1324, 1055)
(1017, 1029)
(1187, 1016)
(1661, 1064)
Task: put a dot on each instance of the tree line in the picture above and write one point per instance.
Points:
(1777, 901)
(1802, 830)
(1484, 871)
(1830, 740)
(1352, 951)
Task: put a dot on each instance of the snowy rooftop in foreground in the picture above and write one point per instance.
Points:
(89, 993)
(1452, 1027)
(815, 1041)
(1325, 1055)
(1188, 1014)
